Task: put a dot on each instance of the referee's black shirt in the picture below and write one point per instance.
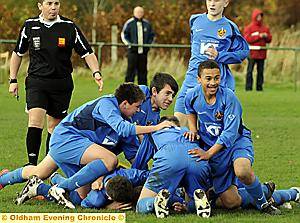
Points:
(50, 46)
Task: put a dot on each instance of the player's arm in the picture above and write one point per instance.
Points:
(111, 114)
(192, 135)
(191, 116)
(238, 51)
(232, 121)
(205, 155)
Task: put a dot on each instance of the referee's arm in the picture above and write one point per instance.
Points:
(14, 66)
(92, 62)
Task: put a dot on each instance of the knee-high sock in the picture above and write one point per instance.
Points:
(256, 192)
(282, 196)
(145, 205)
(247, 199)
(57, 179)
(86, 175)
(12, 177)
(47, 143)
(43, 190)
(191, 206)
(75, 198)
(33, 144)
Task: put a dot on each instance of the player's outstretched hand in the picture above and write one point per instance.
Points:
(119, 206)
(179, 208)
(203, 155)
(98, 184)
(191, 136)
(164, 124)
(211, 52)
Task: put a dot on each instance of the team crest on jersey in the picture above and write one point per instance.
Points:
(221, 33)
(219, 116)
(61, 42)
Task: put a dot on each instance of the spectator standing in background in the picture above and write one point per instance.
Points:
(137, 30)
(256, 34)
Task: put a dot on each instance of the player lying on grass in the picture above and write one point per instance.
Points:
(86, 142)
(116, 190)
(227, 142)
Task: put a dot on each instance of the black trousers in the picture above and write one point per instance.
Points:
(260, 74)
(137, 63)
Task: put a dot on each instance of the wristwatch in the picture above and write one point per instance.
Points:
(13, 81)
(97, 72)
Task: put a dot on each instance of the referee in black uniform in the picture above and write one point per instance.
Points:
(50, 39)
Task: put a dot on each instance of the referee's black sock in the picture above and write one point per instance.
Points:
(47, 143)
(33, 143)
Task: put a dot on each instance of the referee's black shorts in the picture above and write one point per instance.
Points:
(53, 95)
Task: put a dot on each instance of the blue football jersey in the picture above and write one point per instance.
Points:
(99, 120)
(225, 37)
(157, 140)
(220, 123)
(146, 116)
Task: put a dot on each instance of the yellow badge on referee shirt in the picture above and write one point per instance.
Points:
(61, 42)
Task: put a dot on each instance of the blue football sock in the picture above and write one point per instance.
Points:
(246, 198)
(75, 198)
(145, 205)
(282, 196)
(85, 175)
(12, 177)
(256, 192)
(191, 208)
(57, 179)
(43, 190)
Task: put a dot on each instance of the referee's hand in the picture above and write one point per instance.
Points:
(99, 81)
(13, 89)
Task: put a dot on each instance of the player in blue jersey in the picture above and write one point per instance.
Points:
(173, 168)
(213, 36)
(163, 89)
(86, 142)
(117, 190)
(159, 96)
(227, 142)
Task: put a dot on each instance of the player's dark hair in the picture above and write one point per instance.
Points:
(161, 79)
(170, 118)
(208, 64)
(129, 92)
(136, 194)
(120, 189)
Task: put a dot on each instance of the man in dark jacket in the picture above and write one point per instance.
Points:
(256, 34)
(137, 30)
